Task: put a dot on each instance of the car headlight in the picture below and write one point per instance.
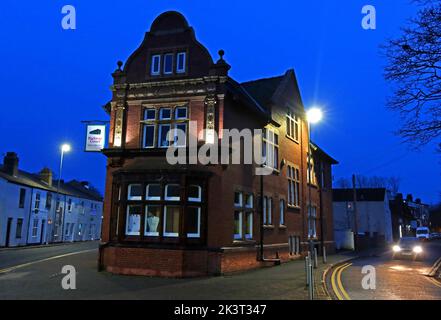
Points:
(396, 248)
(417, 249)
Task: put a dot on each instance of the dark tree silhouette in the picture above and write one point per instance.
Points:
(414, 69)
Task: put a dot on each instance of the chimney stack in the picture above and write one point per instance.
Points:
(46, 176)
(10, 163)
(409, 198)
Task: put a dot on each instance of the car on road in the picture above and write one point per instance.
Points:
(435, 235)
(423, 233)
(408, 247)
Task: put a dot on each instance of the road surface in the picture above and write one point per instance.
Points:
(396, 279)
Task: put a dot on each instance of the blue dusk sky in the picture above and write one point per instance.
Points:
(52, 79)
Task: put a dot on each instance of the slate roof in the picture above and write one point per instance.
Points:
(262, 90)
(72, 188)
(363, 194)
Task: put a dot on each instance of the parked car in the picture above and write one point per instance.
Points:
(435, 235)
(423, 233)
(408, 247)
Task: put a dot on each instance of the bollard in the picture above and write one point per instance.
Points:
(311, 281)
(315, 258)
(325, 259)
(307, 270)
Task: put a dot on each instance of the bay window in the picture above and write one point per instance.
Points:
(158, 209)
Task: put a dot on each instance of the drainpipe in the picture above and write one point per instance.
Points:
(262, 199)
(29, 217)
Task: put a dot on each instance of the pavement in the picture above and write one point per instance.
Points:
(36, 274)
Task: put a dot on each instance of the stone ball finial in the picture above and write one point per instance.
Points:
(119, 63)
(221, 54)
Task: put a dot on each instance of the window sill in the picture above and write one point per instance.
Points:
(268, 226)
(282, 226)
(294, 209)
(244, 242)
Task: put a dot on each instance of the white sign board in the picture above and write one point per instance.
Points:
(95, 137)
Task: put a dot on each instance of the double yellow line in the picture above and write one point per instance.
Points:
(337, 285)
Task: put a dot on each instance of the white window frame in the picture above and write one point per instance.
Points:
(270, 148)
(181, 70)
(293, 175)
(161, 126)
(175, 134)
(35, 225)
(249, 233)
(282, 211)
(312, 221)
(144, 140)
(163, 118)
(199, 198)
(145, 114)
(164, 63)
(151, 234)
(249, 205)
(181, 118)
(127, 233)
(294, 125)
(168, 234)
(37, 201)
(154, 72)
(154, 198)
(239, 236)
(166, 197)
(198, 234)
(129, 191)
(240, 203)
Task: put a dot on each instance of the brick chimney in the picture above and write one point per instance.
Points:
(46, 176)
(10, 163)
(409, 198)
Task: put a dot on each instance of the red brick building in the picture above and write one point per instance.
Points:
(195, 219)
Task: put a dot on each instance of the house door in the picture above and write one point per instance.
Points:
(8, 231)
(43, 227)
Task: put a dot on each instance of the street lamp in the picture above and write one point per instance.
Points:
(313, 116)
(64, 149)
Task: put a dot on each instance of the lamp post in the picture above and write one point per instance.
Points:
(64, 149)
(313, 116)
